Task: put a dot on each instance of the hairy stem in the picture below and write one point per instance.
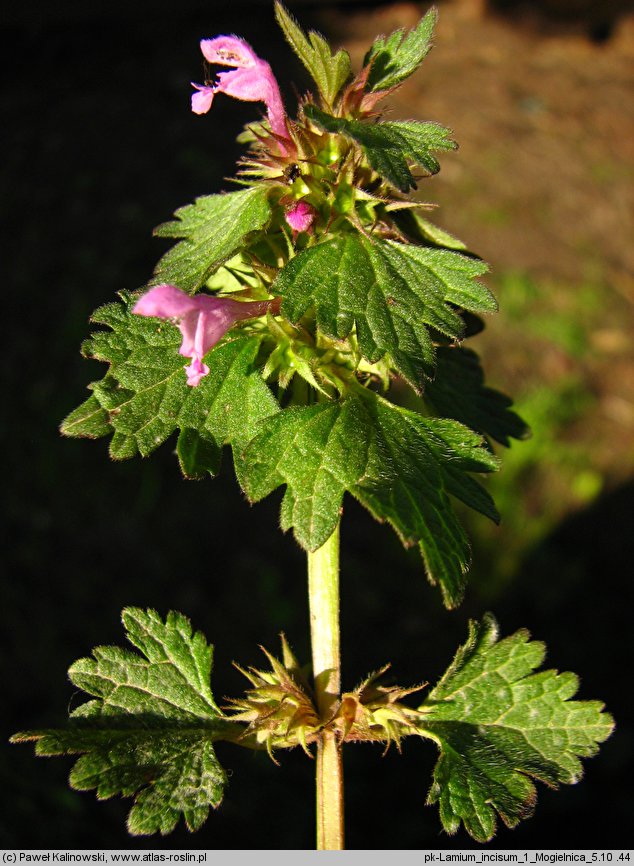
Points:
(323, 594)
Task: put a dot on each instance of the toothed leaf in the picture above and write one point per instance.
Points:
(392, 292)
(390, 146)
(329, 71)
(145, 397)
(499, 725)
(404, 468)
(149, 730)
(395, 57)
(213, 228)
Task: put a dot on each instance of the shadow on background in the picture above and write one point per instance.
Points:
(103, 147)
(598, 20)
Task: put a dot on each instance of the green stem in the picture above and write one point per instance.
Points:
(323, 595)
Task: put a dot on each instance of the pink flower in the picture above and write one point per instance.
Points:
(251, 80)
(300, 217)
(202, 320)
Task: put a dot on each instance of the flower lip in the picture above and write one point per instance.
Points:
(201, 101)
(202, 320)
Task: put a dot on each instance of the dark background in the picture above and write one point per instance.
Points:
(102, 147)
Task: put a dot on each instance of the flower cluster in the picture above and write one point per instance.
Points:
(203, 319)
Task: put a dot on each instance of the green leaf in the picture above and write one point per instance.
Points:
(458, 391)
(146, 397)
(390, 145)
(213, 228)
(198, 453)
(450, 275)
(404, 468)
(422, 231)
(415, 465)
(393, 293)
(90, 420)
(318, 452)
(329, 71)
(498, 725)
(149, 731)
(395, 57)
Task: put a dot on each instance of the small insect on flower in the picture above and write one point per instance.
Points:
(292, 172)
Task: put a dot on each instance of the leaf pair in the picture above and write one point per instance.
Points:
(403, 467)
(393, 293)
(388, 146)
(149, 730)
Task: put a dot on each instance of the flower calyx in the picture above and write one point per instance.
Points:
(279, 709)
(375, 712)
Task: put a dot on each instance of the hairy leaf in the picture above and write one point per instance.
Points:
(318, 452)
(149, 731)
(458, 391)
(213, 228)
(198, 453)
(422, 231)
(391, 145)
(499, 725)
(416, 464)
(395, 57)
(90, 420)
(392, 292)
(450, 275)
(329, 71)
(146, 397)
(404, 468)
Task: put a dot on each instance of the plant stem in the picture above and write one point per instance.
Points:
(323, 595)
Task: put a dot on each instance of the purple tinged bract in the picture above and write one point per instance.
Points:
(251, 80)
(202, 320)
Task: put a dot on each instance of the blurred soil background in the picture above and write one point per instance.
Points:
(101, 147)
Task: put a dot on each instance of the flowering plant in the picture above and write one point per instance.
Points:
(323, 319)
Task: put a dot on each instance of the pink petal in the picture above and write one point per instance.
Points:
(228, 51)
(300, 217)
(250, 85)
(201, 101)
(195, 372)
(251, 80)
(203, 320)
(166, 302)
